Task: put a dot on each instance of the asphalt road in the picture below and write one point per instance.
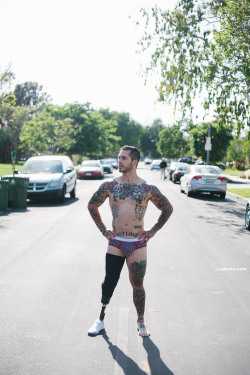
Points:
(197, 284)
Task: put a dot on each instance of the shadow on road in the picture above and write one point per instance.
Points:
(155, 363)
(51, 202)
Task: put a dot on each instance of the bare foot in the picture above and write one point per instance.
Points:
(143, 332)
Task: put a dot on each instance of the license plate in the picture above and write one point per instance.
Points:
(209, 180)
(89, 174)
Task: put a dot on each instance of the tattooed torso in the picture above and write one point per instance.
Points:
(128, 204)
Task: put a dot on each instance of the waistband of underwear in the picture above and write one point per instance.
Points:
(126, 239)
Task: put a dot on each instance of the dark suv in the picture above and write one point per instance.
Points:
(50, 176)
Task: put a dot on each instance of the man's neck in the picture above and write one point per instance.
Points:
(129, 177)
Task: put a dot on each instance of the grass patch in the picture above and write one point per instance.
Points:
(242, 192)
(232, 172)
(7, 168)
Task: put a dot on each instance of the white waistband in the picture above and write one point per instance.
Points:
(126, 239)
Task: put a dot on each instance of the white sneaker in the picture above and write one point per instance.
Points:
(96, 328)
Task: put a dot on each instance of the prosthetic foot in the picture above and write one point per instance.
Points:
(97, 327)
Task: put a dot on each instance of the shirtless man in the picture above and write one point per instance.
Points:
(128, 198)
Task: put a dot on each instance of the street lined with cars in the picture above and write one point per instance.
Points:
(197, 290)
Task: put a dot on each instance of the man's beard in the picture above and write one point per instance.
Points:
(126, 169)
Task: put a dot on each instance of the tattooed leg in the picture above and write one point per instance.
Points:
(139, 302)
(137, 268)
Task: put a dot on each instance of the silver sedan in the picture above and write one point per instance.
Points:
(204, 179)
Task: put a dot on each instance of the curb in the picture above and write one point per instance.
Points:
(236, 197)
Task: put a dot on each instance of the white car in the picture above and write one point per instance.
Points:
(155, 164)
(204, 179)
(49, 176)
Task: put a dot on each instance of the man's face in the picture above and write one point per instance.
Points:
(125, 163)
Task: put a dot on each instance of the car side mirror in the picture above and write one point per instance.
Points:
(68, 170)
(16, 171)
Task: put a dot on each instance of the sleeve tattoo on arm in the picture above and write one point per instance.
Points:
(96, 201)
(163, 204)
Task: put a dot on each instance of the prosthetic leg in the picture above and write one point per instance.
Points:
(114, 264)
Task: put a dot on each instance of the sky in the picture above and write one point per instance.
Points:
(82, 51)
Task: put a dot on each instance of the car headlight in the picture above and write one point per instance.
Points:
(54, 184)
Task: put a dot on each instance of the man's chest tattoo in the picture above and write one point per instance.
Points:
(138, 193)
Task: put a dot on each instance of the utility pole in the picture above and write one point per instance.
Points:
(208, 145)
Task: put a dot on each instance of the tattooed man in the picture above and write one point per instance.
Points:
(128, 198)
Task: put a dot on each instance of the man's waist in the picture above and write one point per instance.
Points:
(125, 239)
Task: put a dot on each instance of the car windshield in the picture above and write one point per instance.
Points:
(42, 166)
(105, 161)
(207, 169)
(90, 164)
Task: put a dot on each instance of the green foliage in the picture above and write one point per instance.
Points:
(239, 150)
(30, 94)
(12, 118)
(220, 139)
(149, 139)
(202, 46)
(172, 143)
(128, 130)
(46, 133)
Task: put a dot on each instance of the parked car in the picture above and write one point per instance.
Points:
(186, 160)
(204, 179)
(107, 165)
(173, 166)
(155, 164)
(114, 162)
(247, 216)
(90, 168)
(50, 177)
(178, 173)
(147, 161)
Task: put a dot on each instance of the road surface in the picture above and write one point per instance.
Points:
(197, 285)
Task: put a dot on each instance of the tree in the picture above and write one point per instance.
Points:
(150, 137)
(30, 94)
(220, 139)
(239, 151)
(172, 143)
(128, 131)
(202, 47)
(45, 133)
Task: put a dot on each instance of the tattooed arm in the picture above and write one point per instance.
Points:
(163, 204)
(95, 202)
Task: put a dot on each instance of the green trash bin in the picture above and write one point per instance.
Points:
(17, 191)
(4, 193)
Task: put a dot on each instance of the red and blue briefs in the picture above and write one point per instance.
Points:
(126, 245)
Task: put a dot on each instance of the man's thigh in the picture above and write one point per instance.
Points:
(115, 251)
(137, 262)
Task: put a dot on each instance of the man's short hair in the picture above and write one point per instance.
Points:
(135, 153)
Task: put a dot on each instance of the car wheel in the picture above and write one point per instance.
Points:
(62, 196)
(247, 217)
(189, 194)
(181, 190)
(174, 181)
(73, 192)
(222, 195)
